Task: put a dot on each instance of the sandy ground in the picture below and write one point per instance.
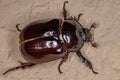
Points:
(105, 58)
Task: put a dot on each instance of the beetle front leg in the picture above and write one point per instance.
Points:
(78, 18)
(61, 62)
(86, 61)
(64, 10)
(22, 66)
(75, 18)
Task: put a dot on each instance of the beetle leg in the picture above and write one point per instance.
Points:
(17, 26)
(79, 16)
(86, 61)
(59, 69)
(64, 10)
(76, 18)
(61, 62)
(22, 66)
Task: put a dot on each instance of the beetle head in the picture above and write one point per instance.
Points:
(86, 34)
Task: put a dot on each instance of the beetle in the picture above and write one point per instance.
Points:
(47, 40)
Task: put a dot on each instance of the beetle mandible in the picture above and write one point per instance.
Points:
(47, 40)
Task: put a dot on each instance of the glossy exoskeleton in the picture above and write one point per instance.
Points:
(46, 40)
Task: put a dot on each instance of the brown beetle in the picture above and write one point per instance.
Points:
(47, 40)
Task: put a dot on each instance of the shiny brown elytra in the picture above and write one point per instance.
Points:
(47, 40)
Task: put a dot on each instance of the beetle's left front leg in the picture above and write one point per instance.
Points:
(75, 18)
(64, 10)
(64, 58)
